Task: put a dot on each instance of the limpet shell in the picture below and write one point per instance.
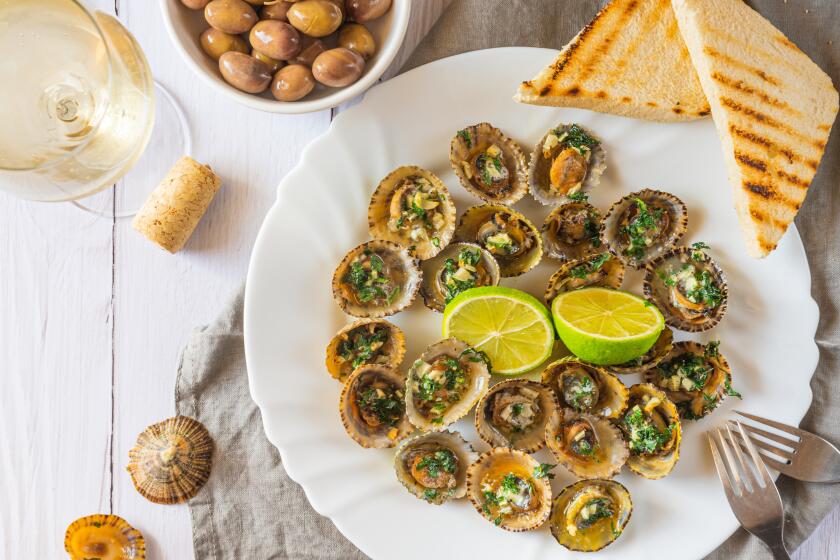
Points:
(367, 435)
(572, 231)
(480, 224)
(603, 459)
(539, 168)
(587, 272)
(104, 536)
(567, 505)
(610, 394)
(433, 288)
(490, 423)
(424, 443)
(651, 358)
(659, 464)
(390, 353)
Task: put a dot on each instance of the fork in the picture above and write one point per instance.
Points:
(803, 456)
(751, 493)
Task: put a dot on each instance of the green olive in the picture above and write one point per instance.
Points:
(273, 63)
(363, 11)
(338, 67)
(310, 48)
(293, 82)
(195, 4)
(356, 37)
(216, 43)
(276, 39)
(316, 18)
(245, 72)
(230, 16)
(276, 11)
(257, 2)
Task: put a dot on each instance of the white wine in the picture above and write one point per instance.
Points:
(76, 101)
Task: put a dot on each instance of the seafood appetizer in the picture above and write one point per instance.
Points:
(588, 446)
(508, 235)
(590, 514)
(372, 407)
(567, 160)
(650, 358)
(688, 287)
(652, 429)
(412, 207)
(376, 279)
(586, 388)
(366, 341)
(433, 466)
(444, 384)
(510, 489)
(644, 225)
(459, 267)
(489, 164)
(514, 414)
(602, 270)
(104, 536)
(695, 377)
(572, 231)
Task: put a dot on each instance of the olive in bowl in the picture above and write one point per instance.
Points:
(356, 37)
(216, 43)
(316, 18)
(245, 72)
(230, 16)
(292, 82)
(362, 11)
(338, 67)
(276, 39)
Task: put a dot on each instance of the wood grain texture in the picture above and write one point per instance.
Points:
(94, 316)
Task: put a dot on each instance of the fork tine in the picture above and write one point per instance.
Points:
(768, 460)
(778, 425)
(721, 469)
(748, 477)
(733, 467)
(771, 448)
(759, 463)
(787, 442)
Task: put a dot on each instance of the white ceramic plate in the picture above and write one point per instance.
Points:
(320, 214)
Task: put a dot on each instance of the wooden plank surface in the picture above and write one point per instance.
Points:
(94, 317)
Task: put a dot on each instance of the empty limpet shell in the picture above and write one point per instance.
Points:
(171, 460)
(105, 537)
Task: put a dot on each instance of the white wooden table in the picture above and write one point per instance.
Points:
(93, 316)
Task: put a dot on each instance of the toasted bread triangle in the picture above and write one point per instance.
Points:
(630, 60)
(772, 106)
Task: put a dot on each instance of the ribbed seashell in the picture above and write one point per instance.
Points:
(663, 414)
(622, 213)
(572, 231)
(601, 456)
(425, 445)
(363, 379)
(390, 353)
(171, 460)
(466, 151)
(567, 508)
(386, 205)
(692, 402)
(499, 424)
(567, 376)
(434, 289)
(487, 473)
(650, 358)
(539, 168)
(477, 380)
(478, 224)
(585, 273)
(104, 536)
(402, 268)
(679, 312)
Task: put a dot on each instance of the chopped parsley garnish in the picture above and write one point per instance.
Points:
(581, 271)
(516, 409)
(430, 494)
(706, 291)
(510, 483)
(584, 447)
(710, 402)
(577, 138)
(451, 267)
(598, 508)
(579, 197)
(436, 241)
(727, 385)
(442, 460)
(369, 283)
(474, 355)
(697, 254)
(361, 347)
(712, 349)
(484, 161)
(644, 436)
(637, 230)
(466, 137)
(386, 406)
(690, 366)
(544, 471)
(583, 390)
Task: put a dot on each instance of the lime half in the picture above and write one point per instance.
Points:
(606, 327)
(512, 327)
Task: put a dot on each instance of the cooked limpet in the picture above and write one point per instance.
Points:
(584, 387)
(171, 460)
(572, 231)
(366, 341)
(104, 536)
(695, 377)
(644, 225)
(651, 426)
(590, 514)
(376, 279)
(508, 235)
(372, 406)
(489, 164)
(514, 414)
(650, 358)
(433, 466)
(444, 384)
(412, 207)
(510, 489)
(588, 446)
(602, 270)
(459, 267)
(569, 159)
(688, 287)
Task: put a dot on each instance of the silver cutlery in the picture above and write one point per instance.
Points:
(751, 493)
(797, 454)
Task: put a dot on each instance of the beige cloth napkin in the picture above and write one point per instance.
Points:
(251, 509)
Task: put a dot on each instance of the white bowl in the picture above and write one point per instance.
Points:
(185, 26)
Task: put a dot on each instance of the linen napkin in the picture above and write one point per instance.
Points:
(251, 509)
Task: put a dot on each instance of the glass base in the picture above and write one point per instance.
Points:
(169, 141)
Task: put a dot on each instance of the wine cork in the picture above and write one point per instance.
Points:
(173, 210)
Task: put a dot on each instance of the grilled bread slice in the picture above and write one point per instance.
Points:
(630, 60)
(772, 106)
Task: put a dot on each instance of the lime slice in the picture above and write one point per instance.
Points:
(513, 328)
(606, 327)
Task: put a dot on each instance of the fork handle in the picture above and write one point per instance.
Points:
(779, 551)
